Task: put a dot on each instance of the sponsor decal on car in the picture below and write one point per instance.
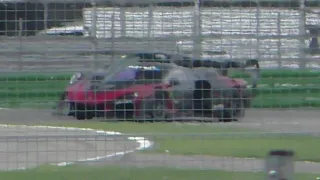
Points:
(123, 102)
(145, 67)
(218, 106)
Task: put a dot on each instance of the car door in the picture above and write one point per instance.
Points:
(182, 81)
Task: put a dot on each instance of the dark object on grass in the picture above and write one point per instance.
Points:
(280, 165)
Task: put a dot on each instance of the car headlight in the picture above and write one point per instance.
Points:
(128, 98)
(74, 78)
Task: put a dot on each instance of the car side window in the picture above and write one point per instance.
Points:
(181, 79)
(204, 73)
(176, 75)
(210, 74)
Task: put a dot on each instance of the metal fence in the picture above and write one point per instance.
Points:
(44, 44)
(276, 36)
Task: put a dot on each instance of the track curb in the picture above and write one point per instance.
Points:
(143, 142)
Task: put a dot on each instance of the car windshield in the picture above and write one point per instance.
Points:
(120, 65)
(135, 74)
(123, 75)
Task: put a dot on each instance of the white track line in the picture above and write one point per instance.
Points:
(143, 142)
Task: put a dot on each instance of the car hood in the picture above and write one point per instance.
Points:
(83, 91)
(86, 85)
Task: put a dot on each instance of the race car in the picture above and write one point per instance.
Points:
(160, 86)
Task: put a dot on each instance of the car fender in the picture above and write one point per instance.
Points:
(145, 104)
(241, 82)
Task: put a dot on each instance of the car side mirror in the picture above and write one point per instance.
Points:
(174, 82)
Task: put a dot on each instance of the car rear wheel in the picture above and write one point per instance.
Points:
(233, 111)
(158, 111)
(231, 114)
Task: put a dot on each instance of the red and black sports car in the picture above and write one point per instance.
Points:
(159, 86)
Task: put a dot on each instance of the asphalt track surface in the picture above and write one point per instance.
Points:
(28, 147)
(25, 147)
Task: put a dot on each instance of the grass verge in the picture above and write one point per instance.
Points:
(238, 145)
(54, 87)
(278, 89)
(271, 100)
(124, 173)
(265, 73)
(287, 100)
(214, 140)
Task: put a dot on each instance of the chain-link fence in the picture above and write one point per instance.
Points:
(159, 90)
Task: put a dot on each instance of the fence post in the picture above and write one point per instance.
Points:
(197, 42)
(302, 33)
(94, 33)
(279, 39)
(279, 165)
(150, 19)
(258, 30)
(45, 16)
(113, 35)
(20, 43)
(123, 21)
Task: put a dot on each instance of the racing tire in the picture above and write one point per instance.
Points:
(234, 112)
(71, 110)
(231, 115)
(124, 112)
(224, 116)
(83, 115)
(159, 107)
(58, 108)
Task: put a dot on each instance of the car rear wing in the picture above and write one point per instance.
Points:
(181, 59)
(250, 66)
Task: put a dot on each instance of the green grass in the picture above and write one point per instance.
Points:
(281, 73)
(53, 94)
(287, 100)
(267, 100)
(277, 89)
(241, 146)
(36, 103)
(58, 85)
(214, 140)
(54, 88)
(265, 73)
(34, 86)
(132, 173)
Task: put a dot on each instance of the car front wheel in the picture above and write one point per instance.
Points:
(83, 115)
(159, 106)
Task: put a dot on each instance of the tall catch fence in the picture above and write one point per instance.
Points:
(229, 132)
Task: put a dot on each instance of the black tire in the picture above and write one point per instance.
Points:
(72, 109)
(58, 108)
(232, 114)
(81, 112)
(83, 115)
(235, 111)
(125, 112)
(159, 107)
(80, 115)
(226, 117)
